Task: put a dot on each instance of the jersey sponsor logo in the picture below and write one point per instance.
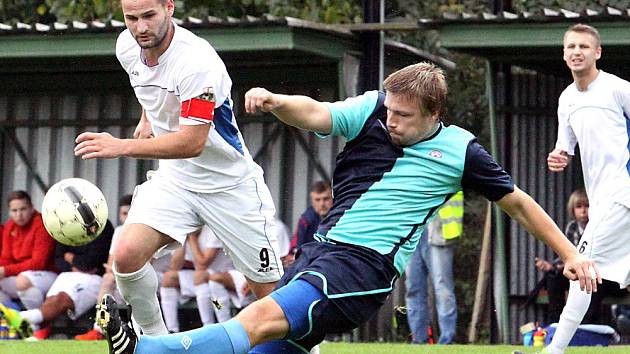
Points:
(201, 107)
(266, 269)
(436, 154)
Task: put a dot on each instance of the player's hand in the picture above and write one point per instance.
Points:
(98, 145)
(585, 270)
(557, 160)
(143, 129)
(543, 265)
(259, 99)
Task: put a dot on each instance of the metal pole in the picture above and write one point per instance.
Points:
(381, 47)
(499, 259)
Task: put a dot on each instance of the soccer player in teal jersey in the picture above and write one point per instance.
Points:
(399, 165)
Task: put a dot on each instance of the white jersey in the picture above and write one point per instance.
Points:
(207, 239)
(185, 72)
(598, 119)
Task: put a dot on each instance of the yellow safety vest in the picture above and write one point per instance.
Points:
(451, 216)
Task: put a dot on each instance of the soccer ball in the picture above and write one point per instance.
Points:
(74, 211)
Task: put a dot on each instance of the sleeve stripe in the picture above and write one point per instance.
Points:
(198, 108)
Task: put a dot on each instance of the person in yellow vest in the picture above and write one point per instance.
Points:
(434, 258)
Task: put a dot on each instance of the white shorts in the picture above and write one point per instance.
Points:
(238, 297)
(186, 285)
(241, 217)
(81, 287)
(41, 279)
(606, 240)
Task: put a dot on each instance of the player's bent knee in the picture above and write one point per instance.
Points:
(170, 279)
(263, 320)
(22, 283)
(200, 276)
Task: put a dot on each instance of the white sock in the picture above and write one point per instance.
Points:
(219, 293)
(32, 297)
(169, 297)
(139, 289)
(34, 316)
(571, 317)
(203, 295)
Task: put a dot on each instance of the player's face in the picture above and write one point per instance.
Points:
(321, 202)
(580, 210)
(581, 52)
(148, 20)
(123, 211)
(407, 122)
(20, 211)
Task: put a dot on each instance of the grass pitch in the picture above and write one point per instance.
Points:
(100, 347)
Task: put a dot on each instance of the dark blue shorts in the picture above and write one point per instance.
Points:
(355, 280)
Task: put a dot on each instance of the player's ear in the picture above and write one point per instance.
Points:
(598, 52)
(170, 7)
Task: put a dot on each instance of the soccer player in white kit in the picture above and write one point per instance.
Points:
(594, 112)
(206, 174)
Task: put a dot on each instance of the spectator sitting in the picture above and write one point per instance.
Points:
(27, 268)
(108, 283)
(321, 202)
(204, 252)
(75, 290)
(555, 283)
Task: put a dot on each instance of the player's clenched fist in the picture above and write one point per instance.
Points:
(557, 160)
(259, 99)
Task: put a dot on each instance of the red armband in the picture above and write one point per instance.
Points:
(198, 108)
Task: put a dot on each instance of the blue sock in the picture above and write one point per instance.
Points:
(222, 338)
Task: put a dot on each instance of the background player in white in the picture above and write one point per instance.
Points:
(204, 252)
(594, 112)
(206, 174)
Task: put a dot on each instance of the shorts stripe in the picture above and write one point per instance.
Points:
(338, 296)
(273, 250)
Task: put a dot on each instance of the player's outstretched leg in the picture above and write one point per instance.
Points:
(117, 328)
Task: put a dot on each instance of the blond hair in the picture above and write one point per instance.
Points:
(578, 196)
(423, 82)
(582, 28)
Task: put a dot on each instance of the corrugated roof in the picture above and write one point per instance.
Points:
(545, 15)
(189, 22)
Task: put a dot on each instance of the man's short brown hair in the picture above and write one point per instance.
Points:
(19, 195)
(423, 82)
(582, 28)
(320, 186)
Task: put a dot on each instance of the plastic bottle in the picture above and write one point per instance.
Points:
(4, 328)
(539, 338)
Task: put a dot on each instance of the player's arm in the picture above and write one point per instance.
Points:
(299, 111)
(188, 142)
(522, 208)
(202, 258)
(177, 259)
(143, 129)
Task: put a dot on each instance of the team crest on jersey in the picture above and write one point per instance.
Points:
(436, 154)
(207, 95)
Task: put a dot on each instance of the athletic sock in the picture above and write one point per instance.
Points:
(140, 290)
(32, 297)
(34, 317)
(221, 338)
(571, 317)
(169, 297)
(206, 313)
(221, 294)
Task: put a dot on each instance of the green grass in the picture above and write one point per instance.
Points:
(75, 347)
